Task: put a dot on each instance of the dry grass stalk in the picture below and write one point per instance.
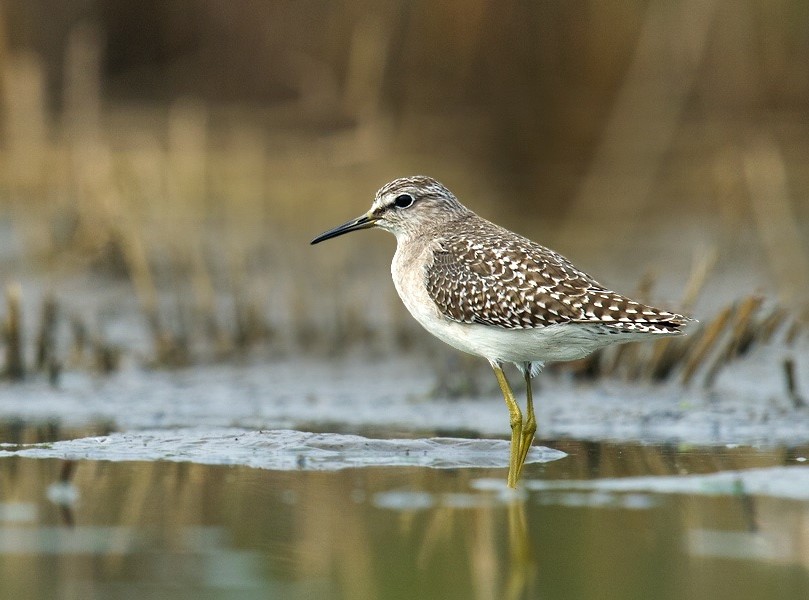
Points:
(797, 326)
(645, 96)
(745, 327)
(46, 360)
(79, 339)
(771, 324)
(25, 126)
(15, 362)
(668, 353)
(45, 339)
(776, 219)
(741, 335)
(792, 385)
(107, 358)
(704, 343)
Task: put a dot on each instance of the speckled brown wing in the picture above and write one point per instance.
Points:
(482, 273)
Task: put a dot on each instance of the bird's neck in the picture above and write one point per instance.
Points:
(428, 231)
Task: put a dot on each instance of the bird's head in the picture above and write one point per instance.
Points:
(404, 207)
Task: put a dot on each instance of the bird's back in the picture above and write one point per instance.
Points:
(483, 273)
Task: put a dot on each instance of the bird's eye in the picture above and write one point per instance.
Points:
(403, 201)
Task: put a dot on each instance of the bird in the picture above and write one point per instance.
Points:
(490, 292)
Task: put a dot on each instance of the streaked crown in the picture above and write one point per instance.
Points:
(414, 204)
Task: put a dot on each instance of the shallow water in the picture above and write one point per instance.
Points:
(355, 393)
(356, 481)
(604, 520)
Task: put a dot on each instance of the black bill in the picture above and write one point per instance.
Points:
(364, 222)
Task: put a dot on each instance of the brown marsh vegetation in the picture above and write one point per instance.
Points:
(649, 135)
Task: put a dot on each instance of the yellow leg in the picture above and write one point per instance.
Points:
(515, 417)
(530, 426)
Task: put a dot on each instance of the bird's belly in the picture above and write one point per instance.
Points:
(541, 344)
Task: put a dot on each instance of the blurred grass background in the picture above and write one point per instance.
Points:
(183, 152)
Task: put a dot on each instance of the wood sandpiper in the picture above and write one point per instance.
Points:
(491, 292)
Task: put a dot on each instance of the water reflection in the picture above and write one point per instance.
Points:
(92, 528)
(522, 566)
(63, 493)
